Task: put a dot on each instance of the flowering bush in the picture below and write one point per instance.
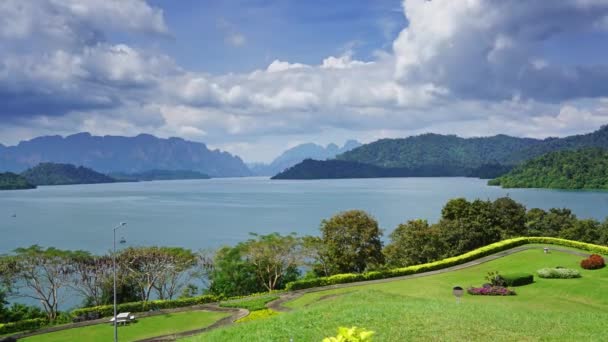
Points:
(593, 262)
(353, 334)
(490, 291)
(558, 272)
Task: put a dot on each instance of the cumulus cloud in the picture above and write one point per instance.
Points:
(487, 49)
(470, 67)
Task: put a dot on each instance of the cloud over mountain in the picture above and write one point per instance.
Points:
(469, 67)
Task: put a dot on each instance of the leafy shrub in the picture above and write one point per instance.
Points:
(593, 262)
(558, 273)
(353, 334)
(490, 291)
(495, 279)
(517, 279)
(258, 314)
(436, 265)
(108, 310)
(27, 324)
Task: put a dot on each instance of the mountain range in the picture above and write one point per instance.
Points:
(299, 153)
(440, 155)
(109, 154)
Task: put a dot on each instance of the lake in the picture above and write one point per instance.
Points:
(209, 213)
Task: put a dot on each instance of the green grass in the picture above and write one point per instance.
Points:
(143, 328)
(250, 304)
(424, 308)
(258, 314)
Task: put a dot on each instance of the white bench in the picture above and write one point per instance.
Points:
(123, 317)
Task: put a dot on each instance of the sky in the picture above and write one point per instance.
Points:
(254, 77)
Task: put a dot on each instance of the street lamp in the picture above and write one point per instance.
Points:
(121, 224)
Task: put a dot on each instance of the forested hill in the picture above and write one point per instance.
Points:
(436, 149)
(122, 154)
(12, 181)
(449, 155)
(63, 174)
(580, 169)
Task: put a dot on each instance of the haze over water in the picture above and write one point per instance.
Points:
(210, 213)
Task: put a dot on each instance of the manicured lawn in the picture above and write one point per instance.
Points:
(424, 308)
(144, 328)
(250, 304)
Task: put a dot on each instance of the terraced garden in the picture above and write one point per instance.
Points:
(421, 307)
(425, 309)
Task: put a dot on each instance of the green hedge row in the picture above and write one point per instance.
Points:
(517, 279)
(108, 310)
(440, 264)
(27, 324)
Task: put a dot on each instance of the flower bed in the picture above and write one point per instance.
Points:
(593, 262)
(490, 291)
(558, 273)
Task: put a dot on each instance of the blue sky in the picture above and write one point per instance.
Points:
(298, 31)
(254, 77)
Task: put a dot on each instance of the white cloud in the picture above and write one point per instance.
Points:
(470, 67)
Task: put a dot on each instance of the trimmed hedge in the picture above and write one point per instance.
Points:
(440, 264)
(108, 310)
(558, 273)
(26, 324)
(517, 279)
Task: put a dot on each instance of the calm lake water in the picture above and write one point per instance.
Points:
(209, 213)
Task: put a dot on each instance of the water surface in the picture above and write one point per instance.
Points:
(209, 213)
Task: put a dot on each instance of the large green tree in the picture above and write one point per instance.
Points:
(353, 242)
(275, 258)
(231, 275)
(414, 242)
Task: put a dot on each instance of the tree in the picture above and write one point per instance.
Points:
(510, 217)
(275, 258)
(455, 209)
(42, 274)
(177, 274)
(583, 230)
(231, 274)
(353, 242)
(469, 229)
(548, 223)
(90, 274)
(315, 255)
(413, 243)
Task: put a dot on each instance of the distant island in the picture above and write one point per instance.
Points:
(13, 181)
(579, 169)
(153, 175)
(64, 174)
(436, 155)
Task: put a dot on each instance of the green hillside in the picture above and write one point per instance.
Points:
(12, 181)
(432, 155)
(63, 174)
(580, 169)
(424, 308)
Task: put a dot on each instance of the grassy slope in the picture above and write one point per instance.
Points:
(144, 328)
(424, 309)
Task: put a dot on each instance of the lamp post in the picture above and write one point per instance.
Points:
(121, 224)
